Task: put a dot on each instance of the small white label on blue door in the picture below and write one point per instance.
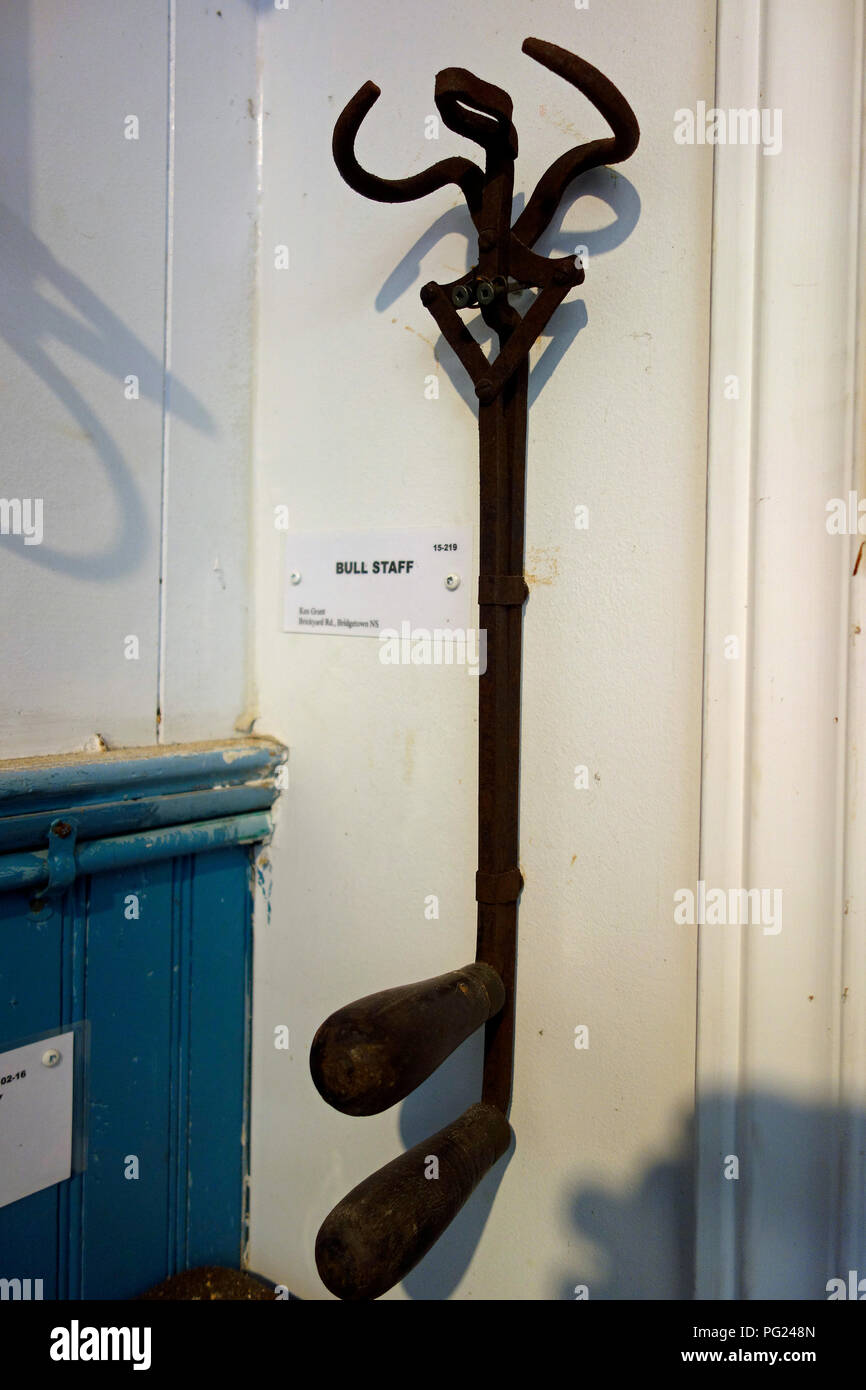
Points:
(35, 1116)
(363, 583)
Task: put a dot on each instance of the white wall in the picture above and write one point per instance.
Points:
(782, 1015)
(381, 808)
(126, 257)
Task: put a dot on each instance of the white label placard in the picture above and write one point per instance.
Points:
(35, 1116)
(361, 583)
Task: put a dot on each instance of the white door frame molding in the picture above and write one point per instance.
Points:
(782, 1013)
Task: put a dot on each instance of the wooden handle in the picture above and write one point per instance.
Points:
(386, 1224)
(372, 1053)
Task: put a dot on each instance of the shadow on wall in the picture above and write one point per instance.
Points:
(32, 284)
(607, 185)
(29, 323)
(799, 1169)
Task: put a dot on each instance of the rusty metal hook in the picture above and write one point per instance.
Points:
(455, 170)
(610, 102)
(456, 92)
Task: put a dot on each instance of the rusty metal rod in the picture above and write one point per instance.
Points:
(502, 430)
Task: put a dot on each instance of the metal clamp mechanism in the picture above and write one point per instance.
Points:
(60, 859)
(504, 887)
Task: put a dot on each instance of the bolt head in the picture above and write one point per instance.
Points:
(460, 296)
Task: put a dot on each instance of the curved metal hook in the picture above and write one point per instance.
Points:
(454, 170)
(607, 99)
(460, 96)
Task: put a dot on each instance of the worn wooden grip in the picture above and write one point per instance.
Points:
(373, 1052)
(379, 1232)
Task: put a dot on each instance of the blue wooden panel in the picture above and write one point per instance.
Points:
(164, 991)
(130, 978)
(166, 998)
(30, 1002)
(29, 786)
(29, 1240)
(111, 818)
(219, 1058)
(30, 968)
(33, 869)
